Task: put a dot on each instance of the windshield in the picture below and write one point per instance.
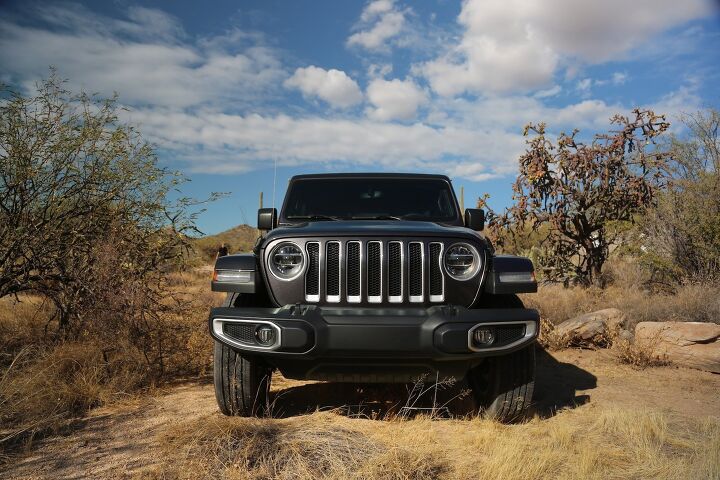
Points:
(370, 198)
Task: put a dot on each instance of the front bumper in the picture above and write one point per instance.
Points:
(322, 342)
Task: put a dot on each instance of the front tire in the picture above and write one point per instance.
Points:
(503, 385)
(242, 385)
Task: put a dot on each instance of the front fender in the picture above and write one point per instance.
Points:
(511, 274)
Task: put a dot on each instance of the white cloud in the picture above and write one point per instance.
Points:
(511, 113)
(333, 86)
(202, 101)
(144, 57)
(515, 45)
(476, 140)
(550, 92)
(584, 87)
(619, 78)
(600, 31)
(380, 22)
(394, 99)
(379, 70)
(215, 142)
(375, 9)
(676, 103)
(145, 21)
(497, 52)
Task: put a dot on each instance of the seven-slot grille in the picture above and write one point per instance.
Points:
(374, 271)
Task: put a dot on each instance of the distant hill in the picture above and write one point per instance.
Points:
(238, 239)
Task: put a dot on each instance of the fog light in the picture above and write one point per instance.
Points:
(265, 335)
(483, 337)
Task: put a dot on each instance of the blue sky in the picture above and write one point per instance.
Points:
(227, 89)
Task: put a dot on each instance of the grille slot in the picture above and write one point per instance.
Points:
(416, 272)
(353, 272)
(374, 272)
(437, 282)
(312, 276)
(396, 259)
(332, 271)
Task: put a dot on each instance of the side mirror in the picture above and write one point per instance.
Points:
(475, 218)
(267, 218)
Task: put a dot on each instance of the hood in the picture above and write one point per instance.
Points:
(372, 228)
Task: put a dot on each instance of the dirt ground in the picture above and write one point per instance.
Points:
(121, 441)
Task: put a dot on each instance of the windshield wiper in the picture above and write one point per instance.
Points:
(312, 217)
(417, 216)
(377, 217)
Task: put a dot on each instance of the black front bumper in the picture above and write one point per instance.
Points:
(372, 344)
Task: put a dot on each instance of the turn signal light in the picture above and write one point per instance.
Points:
(233, 276)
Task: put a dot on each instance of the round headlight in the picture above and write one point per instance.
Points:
(462, 261)
(286, 261)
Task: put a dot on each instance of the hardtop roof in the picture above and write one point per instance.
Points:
(371, 175)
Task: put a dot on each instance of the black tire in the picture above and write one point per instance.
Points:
(503, 385)
(242, 385)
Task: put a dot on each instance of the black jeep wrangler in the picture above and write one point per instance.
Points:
(374, 278)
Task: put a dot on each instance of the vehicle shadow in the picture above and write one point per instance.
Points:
(556, 387)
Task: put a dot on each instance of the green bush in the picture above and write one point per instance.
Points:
(680, 237)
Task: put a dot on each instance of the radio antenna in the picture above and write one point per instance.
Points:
(274, 180)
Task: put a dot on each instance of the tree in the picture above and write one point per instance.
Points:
(681, 234)
(580, 191)
(85, 209)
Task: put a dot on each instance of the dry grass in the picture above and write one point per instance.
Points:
(638, 355)
(46, 380)
(549, 338)
(627, 292)
(42, 384)
(587, 443)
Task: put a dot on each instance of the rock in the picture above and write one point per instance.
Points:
(690, 344)
(626, 335)
(592, 328)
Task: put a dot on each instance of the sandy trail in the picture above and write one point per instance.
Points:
(121, 441)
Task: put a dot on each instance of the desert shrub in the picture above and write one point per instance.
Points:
(79, 189)
(583, 194)
(638, 355)
(548, 338)
(626, 271)
(92, 241)
(680, 237)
